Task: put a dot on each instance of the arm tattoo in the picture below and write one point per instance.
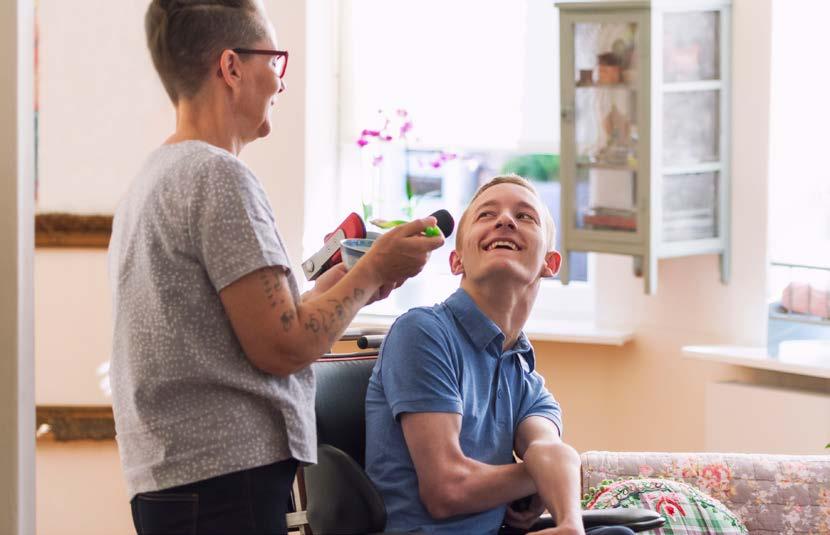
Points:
(272, 287)
(326, 319)
(287, 317)
(312, 324)
(338, 309)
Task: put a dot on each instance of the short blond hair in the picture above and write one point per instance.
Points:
(550, 226)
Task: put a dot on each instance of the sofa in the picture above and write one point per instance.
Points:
(771, 494)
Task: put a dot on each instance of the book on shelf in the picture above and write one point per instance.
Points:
(610, 218)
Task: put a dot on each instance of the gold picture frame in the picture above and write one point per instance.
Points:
(72, 230)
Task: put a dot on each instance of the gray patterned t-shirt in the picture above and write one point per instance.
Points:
(188, 404)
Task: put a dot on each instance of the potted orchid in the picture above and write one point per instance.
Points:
(385, 153)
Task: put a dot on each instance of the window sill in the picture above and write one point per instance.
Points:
(574, 332)
(759, 358)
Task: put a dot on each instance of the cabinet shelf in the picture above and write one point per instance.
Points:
(600, 165)
(665, 124)
(605, 86)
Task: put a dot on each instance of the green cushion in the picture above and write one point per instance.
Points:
(686, 509)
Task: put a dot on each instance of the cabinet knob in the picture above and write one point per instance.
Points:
(567, 115)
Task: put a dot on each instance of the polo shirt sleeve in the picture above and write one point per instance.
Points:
(538, 401)
(416, 366)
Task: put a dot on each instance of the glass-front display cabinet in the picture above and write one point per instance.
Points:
(645, 130)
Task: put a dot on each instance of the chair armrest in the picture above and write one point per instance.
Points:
(636, 519)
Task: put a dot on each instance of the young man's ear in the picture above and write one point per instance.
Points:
(553, 261)
(456, 266)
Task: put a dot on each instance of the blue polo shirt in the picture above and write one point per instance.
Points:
(448, 358)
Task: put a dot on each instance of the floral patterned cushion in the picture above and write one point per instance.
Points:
(771, 494)
(686, 509)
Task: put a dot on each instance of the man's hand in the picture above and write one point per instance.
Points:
(525, 518)
(570, 528)
(554, 467)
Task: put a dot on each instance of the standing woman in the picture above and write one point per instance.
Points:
(212, 391)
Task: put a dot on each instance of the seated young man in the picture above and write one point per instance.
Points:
(455, 393)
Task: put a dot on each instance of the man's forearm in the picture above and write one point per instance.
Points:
(554, 468)
(477, 486)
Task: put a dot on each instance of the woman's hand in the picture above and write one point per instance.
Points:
(384, 291)
(326, 280)
(402, 252)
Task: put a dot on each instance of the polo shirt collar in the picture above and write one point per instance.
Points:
(525, 352)
(482, 331)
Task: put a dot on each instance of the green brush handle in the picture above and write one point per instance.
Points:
(384, 224)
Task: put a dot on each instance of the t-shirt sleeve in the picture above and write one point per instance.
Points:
(231, 222)
(539, 402)
(417, 368)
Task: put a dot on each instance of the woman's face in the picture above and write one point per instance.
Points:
(261, 86)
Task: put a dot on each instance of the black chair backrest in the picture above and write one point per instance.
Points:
(340, 403)
(341, 498)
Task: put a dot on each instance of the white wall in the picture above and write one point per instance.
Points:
(103, 109)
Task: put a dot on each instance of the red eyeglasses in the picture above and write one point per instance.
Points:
(280, 55)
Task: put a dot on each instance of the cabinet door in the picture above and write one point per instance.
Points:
(603, 59)
(692, 138)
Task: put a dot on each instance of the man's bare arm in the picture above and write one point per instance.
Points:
(554, 467)
(450, 483)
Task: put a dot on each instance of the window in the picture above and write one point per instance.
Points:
(799, 207)
(478, 84)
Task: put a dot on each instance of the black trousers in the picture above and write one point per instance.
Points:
(250, 502)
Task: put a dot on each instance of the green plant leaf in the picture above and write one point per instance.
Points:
(409, 192)
(538, 167)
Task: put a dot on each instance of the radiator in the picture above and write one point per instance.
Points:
(744, 418)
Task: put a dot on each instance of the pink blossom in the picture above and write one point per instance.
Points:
(377, 160)
(373, 133)
(362, 142)
(402, 112)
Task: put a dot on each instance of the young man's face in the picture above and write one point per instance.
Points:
(504, 235)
